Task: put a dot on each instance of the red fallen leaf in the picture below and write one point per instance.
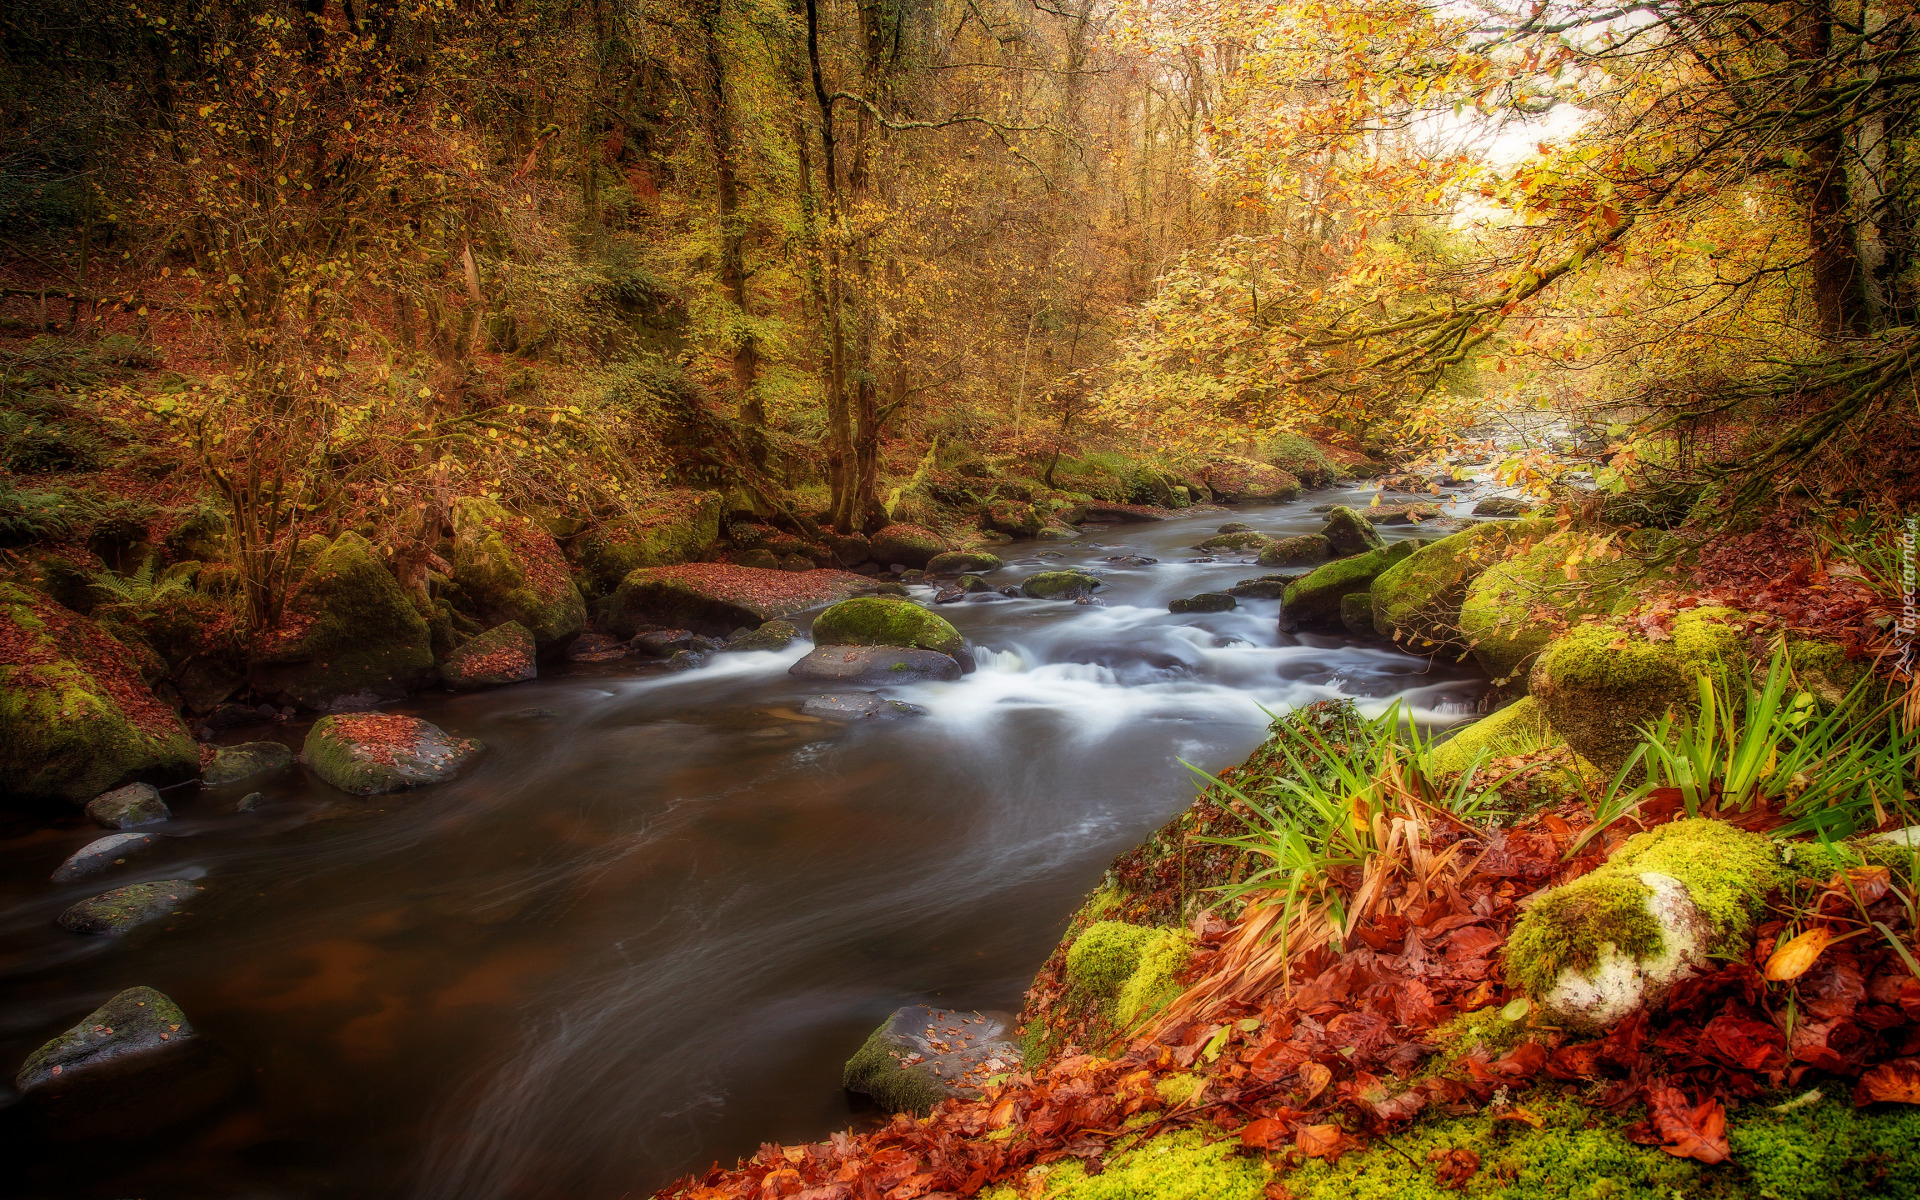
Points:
(1834, 988)
(1896, 1082)
(1580, 1061)
(1475, 941)
(1743, 1042)
(1625, 1044)
(1275, 1190)
(784, 1182)
(1867, 883)
(1265, 1133)
(1910, 997)
(1697, 1131)
(1314, 1078)
(1454, 1167)
(1521, 1062)
(1323, 1141)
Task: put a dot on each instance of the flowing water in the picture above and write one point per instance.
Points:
(646, 930)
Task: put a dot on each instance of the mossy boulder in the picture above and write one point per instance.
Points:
(1235, 480)
(1615, 940)
(1601, 682)
(962, 562)
(1131, 970)
(774, 635)
(231, 764)
(349, 631)
(1316, 599)
(1264, 587)
(1348, 532)
(1205, 602)
(920, 1056)
(509, 568)
(75, 716)
(909, 545)
(1502, 506)
(1301, 457)
(128, 807)
(1059, 585)
(1519, 728)
(1236, 541)
(1356, 614)
(718, 598)
(116, 912)
(502, 655)
(886, 621)
(1417, 600)
(676, 527)
(1302, 551)
(1515, 607)
(373, 753)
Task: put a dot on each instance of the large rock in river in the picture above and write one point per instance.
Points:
(1417, 600)
(886, 621)
(502, 655)
(510, 569)
(75, 717)
(1060, 585)
(921, 1056)
(1348, 532)
(718, 598)
(128, 807)
(875, 665)
(1316, 599)
(1236, 480)
(125, 908)
(101, 853)
(1302, 551)
(350, 634)
(1517, 606)
(675, 527)
(372, 753)
(231, 764)
(131, 1067)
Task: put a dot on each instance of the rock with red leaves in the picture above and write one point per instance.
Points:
(371, 753)
(718, 598)
(501, 655)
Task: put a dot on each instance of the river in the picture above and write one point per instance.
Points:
(644, 932)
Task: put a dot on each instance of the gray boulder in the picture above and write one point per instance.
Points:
(1205, 602)
(921, 1056)
(96, 856)
(125, 908)
(857, 706)
(875, 664)
(372, 753)
(125, 808)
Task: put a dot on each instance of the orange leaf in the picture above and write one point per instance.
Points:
(1792, 959)
(1893, 1082)
(1314, 1077)
(1323, 1141)
(1688, 1131)
(1264, 1134)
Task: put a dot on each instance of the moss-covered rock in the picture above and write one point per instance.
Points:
(1205, 602)
(1519, 728)
(1356, 614)
(502, 655)
(909, 545)
(1235, 480)
(920, 1056)
(1264, 587)
(1502, 506)
(961, 562)
(75, 716)
(774, 635)
(1302, 551)
(1059, 585)
(1514, 608)
(1601, 682)
(509, 568)
(1617, 939)
(1301, 457)
(886, 621)
(1235, 541)
(1348, 532)
(1315, 600)
(349, 630)
(1417, 600)
(372, 753)
(1131, 970)
(677, 527)
(139, 1021)
(231, 764)
(718, 598)
(126, 908)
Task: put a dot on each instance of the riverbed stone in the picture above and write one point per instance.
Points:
(857, 706)
(1356, 614)
(373, 753)
(1316, 600)
(912, 545)
(1235, 480)
(962, 562)
(125, 908)
(885, 621)
(1502, 506)
(1060, 585)
(351, 631)
(130, 1068)
(1205, 602)
(129, 807)
(1302, 551)
(509, 568)
(1349, 533)
(502, 655)
(76, 717)
(1238, 541)
(1265, 587)
(718, 598)
(774, 635)
(875, 665)
(231, 764)
(920, 1056)
(102, 853)
(250, 802)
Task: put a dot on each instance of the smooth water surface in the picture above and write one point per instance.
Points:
(646, 930)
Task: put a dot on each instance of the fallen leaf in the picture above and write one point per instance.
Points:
(1314, 1077)
(1697, 1131)
(1792, 959)
(1896, 1082)
(1323, 1141)
(1454, 1167)
(1265, 1133)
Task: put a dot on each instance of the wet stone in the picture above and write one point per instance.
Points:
(1235, 527)
(687, 660)
(662, 643)
(596, 647)
(875, 664)
(1205, 602)
(125, 908)
(231, 764)
(923, 1055)
(1266, 587)
(128, 807)
(250, 801)
(857, 706)
(110, 851)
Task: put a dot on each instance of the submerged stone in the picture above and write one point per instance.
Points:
(125, 908)
(921, 1056)
(96, 856)
(1266, 587)
(127, 807)
(1205, 602)
(875, 664)
(858, 706)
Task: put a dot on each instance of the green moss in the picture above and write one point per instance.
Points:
(959, 562)
(1176, 1166)
(1350, 532)
(1488, 1030)
(1727, 872)
(1824, 669)
(1827, 1151)
(1301, 457)
(1602, 682)
(354, 630)
(1519, 728)
(1104, 957)
(1154, 983)
(510, 569)
(1419, 598)
(1513, 609)
(1059, 585)
(1316, 599)
(1238, 542)
(678, 529)
(1296, 551)
(875, 1071)
(885, 621)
